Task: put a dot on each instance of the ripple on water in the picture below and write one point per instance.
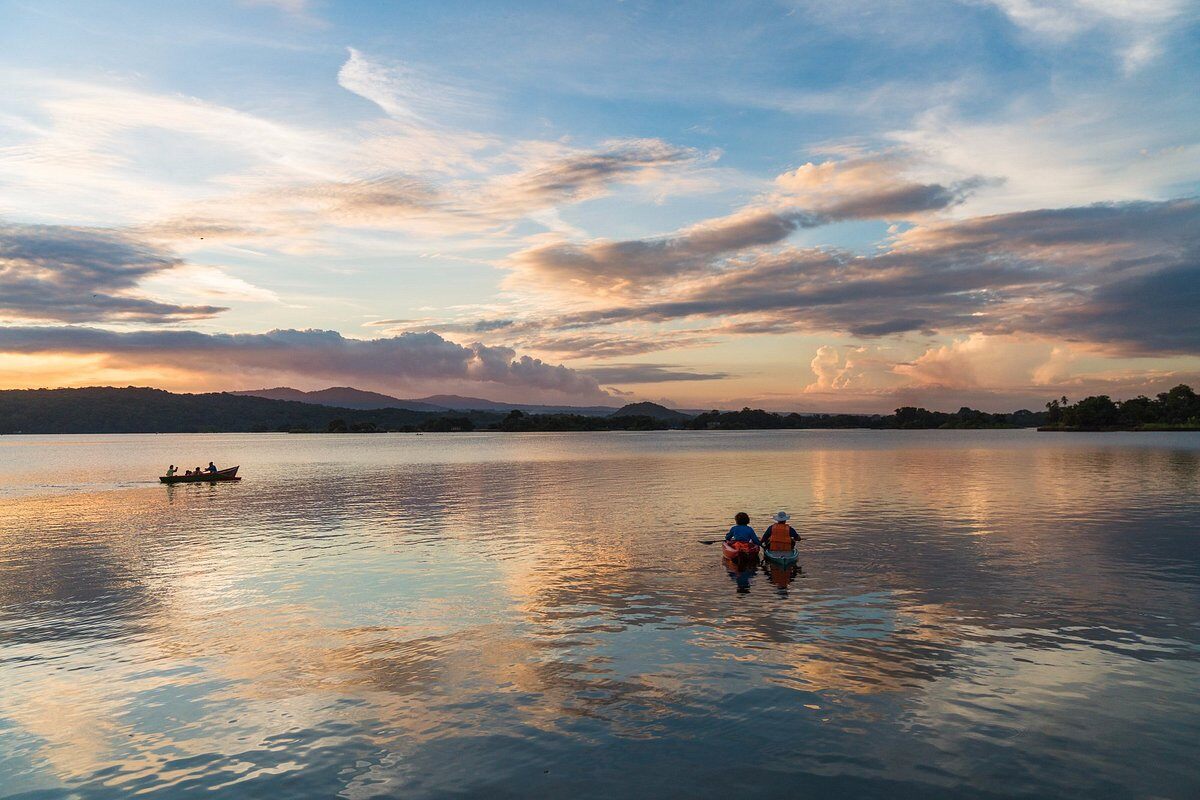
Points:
(992, 613)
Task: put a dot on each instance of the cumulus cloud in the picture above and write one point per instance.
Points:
(399, 360)
(995, 372)
(73, 274)
(833, 369)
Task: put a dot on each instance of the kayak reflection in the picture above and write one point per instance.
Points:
(781, 575)
(741, 569)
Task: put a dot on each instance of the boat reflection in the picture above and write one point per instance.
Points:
(741, 571)
(370, 620)
(781, 575)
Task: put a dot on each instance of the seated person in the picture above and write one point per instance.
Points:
(742, 532)
(781, 537)
(211, 467)
(171, 470)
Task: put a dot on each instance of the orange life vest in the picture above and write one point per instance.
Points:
(779, 537)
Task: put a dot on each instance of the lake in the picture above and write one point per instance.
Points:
(976, 613)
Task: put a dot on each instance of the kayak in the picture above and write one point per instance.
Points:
(781, 556)
(739, 550)
(204, 477)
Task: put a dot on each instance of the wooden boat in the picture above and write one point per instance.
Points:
(204, 477)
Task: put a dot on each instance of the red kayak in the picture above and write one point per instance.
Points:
(739, 550)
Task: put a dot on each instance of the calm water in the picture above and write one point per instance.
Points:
(979, 614)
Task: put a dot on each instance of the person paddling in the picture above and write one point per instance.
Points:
(171, 470)
(781, 537)
(211, 467)
(741, 531)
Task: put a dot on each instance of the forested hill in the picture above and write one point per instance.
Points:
(137, 410)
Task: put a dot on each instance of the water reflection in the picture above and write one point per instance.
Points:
(742, 570)
(781, 575)
(388, 618)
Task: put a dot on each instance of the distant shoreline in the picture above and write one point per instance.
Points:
(102, 410)
(1117, 429)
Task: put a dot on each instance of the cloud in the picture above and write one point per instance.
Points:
(206, 282)
(1137, 24)
(396, 361)
(607, 267)
(807, 197)
(403, 91)
(833, 370)
(1148, 314)
(1092, 146)
(648, 373)
(876, 187)
(300, 10)
(431, 202)
(73, 274)
(1118, 275)
(608, 344)
(85, 152)
(581, 175)
(999, 373)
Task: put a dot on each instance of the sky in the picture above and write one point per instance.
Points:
(838, 206)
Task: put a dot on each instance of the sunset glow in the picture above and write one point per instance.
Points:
(794, 206)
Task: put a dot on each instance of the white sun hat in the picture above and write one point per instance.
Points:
(782, 516)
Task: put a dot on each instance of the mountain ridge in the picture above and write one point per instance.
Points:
(350, 397)
(342, 397)
(652, 410)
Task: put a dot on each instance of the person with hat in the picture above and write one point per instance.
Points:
(780, 537)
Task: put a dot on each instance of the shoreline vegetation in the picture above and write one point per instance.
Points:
(144, 410)
(1176, 410)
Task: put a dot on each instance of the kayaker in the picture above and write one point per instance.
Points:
(741, 531)
(781, 537)
(211, 467)
(171, 470)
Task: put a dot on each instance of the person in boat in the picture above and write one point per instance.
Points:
(211, 467)
(780, 537)
(741, 531)
(171, 470)
(187, 474)
(197, 471)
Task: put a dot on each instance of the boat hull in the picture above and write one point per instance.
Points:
(781, 556)
(739, 554)
(204, 477)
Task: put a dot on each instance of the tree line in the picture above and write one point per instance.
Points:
(1178, 408)
(905, 418)
(137, 410)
